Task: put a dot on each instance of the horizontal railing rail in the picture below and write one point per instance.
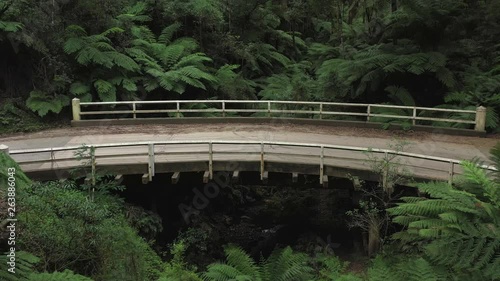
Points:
(263, 148)
(304, 109)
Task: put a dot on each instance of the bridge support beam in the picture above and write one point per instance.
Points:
(325, 181)
(206, 177)
(356, 183)
(295, 177)
(119, 179)
(262, 161)
(151, 161)
(451, 172)
(145, 178)
(265, 177)
(322, 166)
(175, 177)
(236, 177)
(210, 160)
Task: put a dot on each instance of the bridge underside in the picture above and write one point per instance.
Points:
(228, 166)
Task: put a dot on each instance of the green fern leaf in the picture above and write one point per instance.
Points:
(42, 103)
(105, 90)
(168, 33)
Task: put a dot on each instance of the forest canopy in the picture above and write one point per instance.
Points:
(427, 52)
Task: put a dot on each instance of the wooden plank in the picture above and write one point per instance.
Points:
(236, 176)
(145, 179)
(175, 177)
(206, 177)
(295, 177)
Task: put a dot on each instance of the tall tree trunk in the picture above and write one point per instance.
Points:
(394, 8)
(394, 5)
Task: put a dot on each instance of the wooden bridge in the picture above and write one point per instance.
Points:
(323, 160)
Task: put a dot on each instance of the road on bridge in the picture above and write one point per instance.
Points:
(431, 144)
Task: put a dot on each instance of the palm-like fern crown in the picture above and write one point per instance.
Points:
(368, 68)
(172, 65)
(148, 62)
(462, 223)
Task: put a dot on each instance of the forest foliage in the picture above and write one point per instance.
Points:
(436, 53)
(450, 232)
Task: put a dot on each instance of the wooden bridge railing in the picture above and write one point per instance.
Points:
(150, 153)
(297, 109)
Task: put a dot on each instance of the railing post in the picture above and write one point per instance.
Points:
(368, 113)
(261, 161)
(133, 109)
(75, 106)
(93, 164)
(210, 161)
(480, 119)
(223, 108)
(4, 149)
(268, 109)
(414, 116)
(451, 172)
(320, 110)
(178, 114)
(151, 161)
(52, 158)
(386, 184)
(321, 165)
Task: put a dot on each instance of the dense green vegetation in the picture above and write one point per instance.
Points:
(71, 232)
(426, 52)
(436, 53)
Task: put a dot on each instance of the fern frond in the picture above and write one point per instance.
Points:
(42, 103)
(168, 33)
(105, 90)
(192, 59)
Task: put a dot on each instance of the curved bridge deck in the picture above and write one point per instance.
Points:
(315, 150)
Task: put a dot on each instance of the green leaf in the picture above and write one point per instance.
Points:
(42, 103)
(79, 88)
(105, 90)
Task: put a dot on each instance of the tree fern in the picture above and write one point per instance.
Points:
(261, 58)
(470, 100)
(413, 269)
(106, 70)
(399, 96)
(233, 85)
(459, 225)
(171, 66)
(24, 266)
(42, 103)
(282, 265)
(134, 14)
(370, 67)
(168, 33)
(105, 90)
(294, 84)
(238, 266)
